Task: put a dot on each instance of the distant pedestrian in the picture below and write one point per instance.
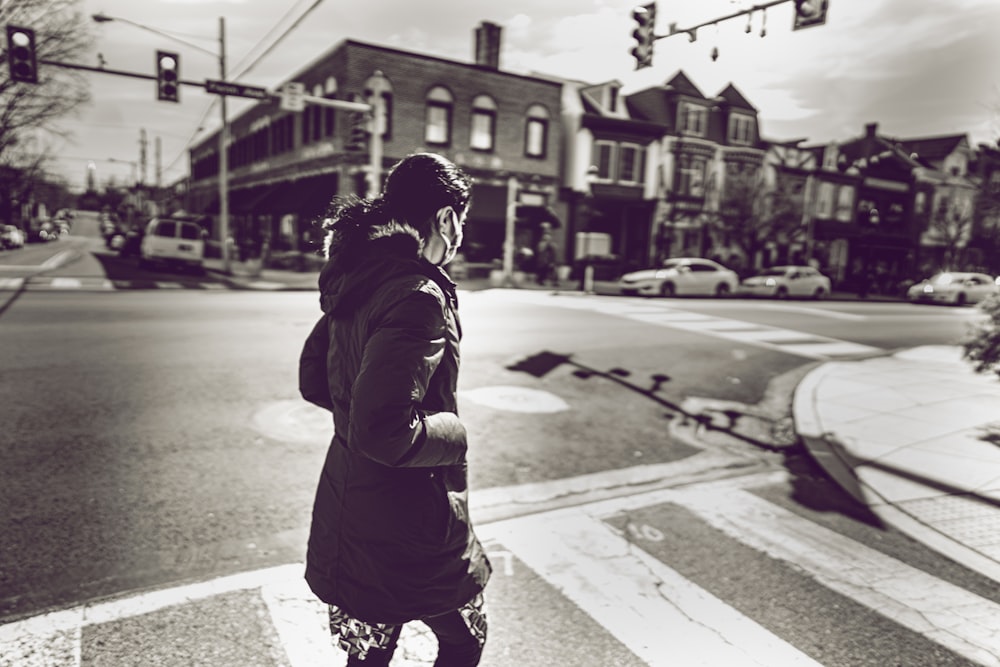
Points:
(545, 261)
(391, 540)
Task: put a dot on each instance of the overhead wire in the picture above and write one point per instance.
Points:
(247, 68)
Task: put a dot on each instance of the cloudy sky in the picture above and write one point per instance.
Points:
(917, 67)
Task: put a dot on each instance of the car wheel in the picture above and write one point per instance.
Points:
(722, 290)
(819, 293)
(782, 293)
(668, 290)
(960, 299)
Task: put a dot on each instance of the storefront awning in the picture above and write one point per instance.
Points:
(536, 215)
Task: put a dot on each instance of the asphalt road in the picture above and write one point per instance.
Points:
(156, 437)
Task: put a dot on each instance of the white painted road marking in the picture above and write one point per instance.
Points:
(630, 593)
(953, 617)
(807, 344)
(636, 597)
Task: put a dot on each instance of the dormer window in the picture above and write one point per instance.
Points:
(693, 119)
(741, 130)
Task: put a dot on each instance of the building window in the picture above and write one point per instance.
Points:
(824, 201)
(438, 123)
(604, 160)
(484, 120)
(691, 175)
(536, 131)
(631, 163)
(845, 203)
(693, 119)
(740, 129)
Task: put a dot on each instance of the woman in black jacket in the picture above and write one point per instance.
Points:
(391, 540)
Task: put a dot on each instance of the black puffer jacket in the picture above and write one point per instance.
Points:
(391, 539)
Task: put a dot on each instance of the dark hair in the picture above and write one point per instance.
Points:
(415, 189)
(419, 185)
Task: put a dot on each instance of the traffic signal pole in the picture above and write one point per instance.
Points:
(807, 13)
(223, 156)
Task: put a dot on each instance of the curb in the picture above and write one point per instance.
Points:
(831, 457)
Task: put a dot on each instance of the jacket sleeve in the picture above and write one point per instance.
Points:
(399, 358)
(314, 384)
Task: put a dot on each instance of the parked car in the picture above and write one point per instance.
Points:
(11, 237)
(172, 241)
(782, 282)
(958, 288)
(687, 276)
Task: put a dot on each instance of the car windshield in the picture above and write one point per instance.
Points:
(772, 272)
(944, 279)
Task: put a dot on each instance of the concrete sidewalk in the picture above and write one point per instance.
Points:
(916, 437)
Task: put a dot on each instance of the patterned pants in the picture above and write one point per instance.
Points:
(461, 636)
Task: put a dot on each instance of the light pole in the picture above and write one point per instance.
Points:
(223, 132)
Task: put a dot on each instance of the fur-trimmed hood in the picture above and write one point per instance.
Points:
(362, 258)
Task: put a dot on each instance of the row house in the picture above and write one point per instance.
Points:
(608, 184)
(984, 248)
(707, 142)
(285, 166)
(883, 210)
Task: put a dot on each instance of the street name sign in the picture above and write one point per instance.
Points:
(236, 89)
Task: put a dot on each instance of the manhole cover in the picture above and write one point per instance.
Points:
(516, 399)
(293, 421)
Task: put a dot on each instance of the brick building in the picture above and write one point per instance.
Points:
(284, 166)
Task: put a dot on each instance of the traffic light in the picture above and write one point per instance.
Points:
(168, 67)
(21, 56)
(645, 18)
(809, 13)
(358, 139)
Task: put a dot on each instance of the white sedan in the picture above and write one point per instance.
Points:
(954, 288)
(782, 282)
(681, 276)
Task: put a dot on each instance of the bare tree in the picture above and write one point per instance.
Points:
(753, 212)
(950, 224)
(28, 111)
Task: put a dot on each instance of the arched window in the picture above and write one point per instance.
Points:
(440, 104)
(482, 133)
(536, 131)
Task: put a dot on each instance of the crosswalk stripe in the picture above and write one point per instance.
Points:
(768, 336)
(11, 283)
(654, 611)
(827, 348)
(958, 619)
(636, 597)
(163, 284)
(301, 625)
(65, 283)
(807, 345)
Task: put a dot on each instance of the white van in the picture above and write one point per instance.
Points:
(173, 241)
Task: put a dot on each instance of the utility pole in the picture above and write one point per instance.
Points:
(158, 158)
(223, 155)
(142, 155)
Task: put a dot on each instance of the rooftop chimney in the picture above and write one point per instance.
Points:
(871, 129)
(488, 45)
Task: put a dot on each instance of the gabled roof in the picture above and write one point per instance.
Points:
(682, 84)
(735, 98)
(933, 148)
(868, 147)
